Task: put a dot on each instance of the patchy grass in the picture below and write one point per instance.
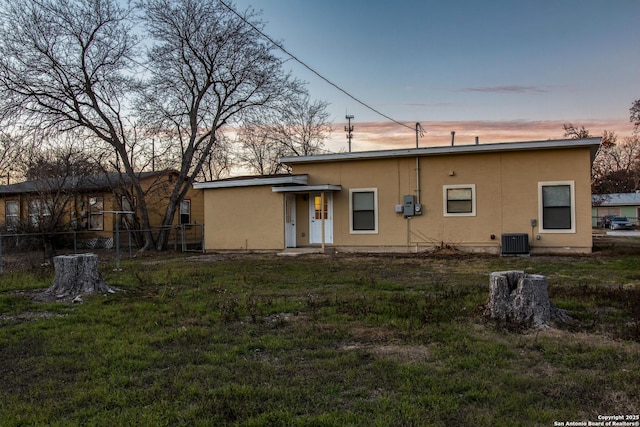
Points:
(259, 340)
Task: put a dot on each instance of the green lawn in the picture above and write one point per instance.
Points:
(261, 340)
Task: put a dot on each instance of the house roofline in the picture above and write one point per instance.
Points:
(80, 184)
(616, 199)
(253, 181)
(591, 143)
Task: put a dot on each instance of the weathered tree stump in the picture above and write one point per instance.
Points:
(522, 299)
(76, 275)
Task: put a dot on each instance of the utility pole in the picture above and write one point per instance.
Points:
(419, 132)
(349, 129)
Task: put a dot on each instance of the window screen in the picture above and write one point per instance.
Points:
(185, 212)
(556, 207)
(363, 213)
(12, 211)
(459, 200)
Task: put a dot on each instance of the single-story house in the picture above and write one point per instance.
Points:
(625, 204)
(525, 197)
(88, 203)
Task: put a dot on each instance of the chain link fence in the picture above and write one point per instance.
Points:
(17, 246)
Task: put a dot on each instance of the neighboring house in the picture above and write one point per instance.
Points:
(494, 198)
(88, 203)
(624, 204)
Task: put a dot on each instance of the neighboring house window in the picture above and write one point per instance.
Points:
(96, 216)
(12, 214)
(459, 200)
(185, 212)
(557, 207)
(363, 205)
(39, 212)
(34, 212)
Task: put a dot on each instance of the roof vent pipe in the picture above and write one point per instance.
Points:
(453, 136)
(477, 140)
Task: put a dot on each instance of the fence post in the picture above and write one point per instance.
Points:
(0, 253)
(202, 238)
(175, 239)
(117, 241)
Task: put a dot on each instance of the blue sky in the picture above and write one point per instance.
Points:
(500, 70)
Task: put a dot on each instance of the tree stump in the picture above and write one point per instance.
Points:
(76, 275)
(519, 298)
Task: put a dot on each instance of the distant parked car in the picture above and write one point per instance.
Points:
(620, 223)
(606, 221)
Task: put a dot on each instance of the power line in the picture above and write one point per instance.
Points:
(279, 46)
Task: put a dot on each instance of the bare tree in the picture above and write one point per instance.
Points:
(11, 148)
(616, 167)
(214, 66)
(634, 115)
(55, 176)
(298, 128)
(74, 65)
(303, 126)
(576, 133)
(218, 161)
(67, 65)
(260, 151)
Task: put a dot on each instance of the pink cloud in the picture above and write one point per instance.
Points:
(389, 135)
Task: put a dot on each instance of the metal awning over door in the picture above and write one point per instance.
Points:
(306, 188)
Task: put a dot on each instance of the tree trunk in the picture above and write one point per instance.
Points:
(76, 275)
(519, 298)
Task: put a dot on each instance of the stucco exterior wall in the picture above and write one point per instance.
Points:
(507, 198)
(245, 218)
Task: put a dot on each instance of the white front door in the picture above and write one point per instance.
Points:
(290, 220)
(321, 217)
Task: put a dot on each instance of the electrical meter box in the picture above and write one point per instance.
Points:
(409, 206)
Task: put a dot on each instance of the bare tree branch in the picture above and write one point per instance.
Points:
(634, 115)
(75, 65)
(297, 128)
(214, 67)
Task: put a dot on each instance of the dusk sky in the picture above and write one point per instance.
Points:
(500, 70)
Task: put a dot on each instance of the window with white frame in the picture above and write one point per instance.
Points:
(185, 212)
(363, 208)
(556, 204)
(11, 214)
(96, 214)
(459, 200)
